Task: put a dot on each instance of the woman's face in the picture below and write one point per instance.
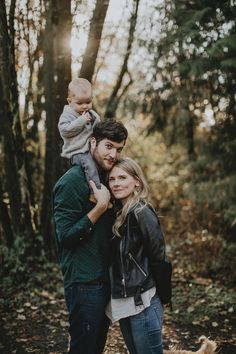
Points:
(121, 184)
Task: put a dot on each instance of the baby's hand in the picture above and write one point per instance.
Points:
(87, 116)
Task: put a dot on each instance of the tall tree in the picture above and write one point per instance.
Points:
(57, 75)
(194, 58)
(94, 38)
(16, 184)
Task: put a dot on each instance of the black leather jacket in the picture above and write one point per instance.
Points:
(135, 256)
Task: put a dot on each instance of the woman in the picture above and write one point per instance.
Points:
(137, 248)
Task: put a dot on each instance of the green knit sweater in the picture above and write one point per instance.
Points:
(83, 248)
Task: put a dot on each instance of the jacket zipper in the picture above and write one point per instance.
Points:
(122, 270)
(137, 265)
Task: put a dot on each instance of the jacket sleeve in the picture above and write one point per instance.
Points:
(153, 238)
(69, 128)
(71, 224)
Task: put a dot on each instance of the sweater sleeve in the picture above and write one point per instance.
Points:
(71, 127)
(72, 225)
(97, 118)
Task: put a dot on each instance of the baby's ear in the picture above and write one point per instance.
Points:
(68, 100)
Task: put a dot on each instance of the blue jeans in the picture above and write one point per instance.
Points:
(88, 323)
(142, 332)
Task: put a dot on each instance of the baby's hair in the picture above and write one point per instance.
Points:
(79, 84)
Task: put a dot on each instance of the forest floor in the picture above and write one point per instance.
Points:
(33, 316)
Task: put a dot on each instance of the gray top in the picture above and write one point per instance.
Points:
(76, 131)
(125, 307)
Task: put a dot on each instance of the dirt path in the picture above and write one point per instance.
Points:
(34, 320)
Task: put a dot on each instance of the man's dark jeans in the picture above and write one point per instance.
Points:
(88, 323)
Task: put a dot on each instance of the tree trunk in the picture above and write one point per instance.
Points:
(114, 99)
(12, 184)
(57, 75)
(94, 38)
(14, 152)
(5, 220)
(190, 137)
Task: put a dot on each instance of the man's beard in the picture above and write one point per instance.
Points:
(105, 166)
(101, 162)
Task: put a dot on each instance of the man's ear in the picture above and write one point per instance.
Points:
(93, 144)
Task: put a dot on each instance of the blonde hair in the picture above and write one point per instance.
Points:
(79, 84)
(139, 196)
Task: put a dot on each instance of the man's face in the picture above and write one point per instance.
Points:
(81, 102)
(106, 152)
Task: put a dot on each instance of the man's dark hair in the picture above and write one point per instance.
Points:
(110, 129)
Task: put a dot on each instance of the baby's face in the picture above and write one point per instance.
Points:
(81, 101)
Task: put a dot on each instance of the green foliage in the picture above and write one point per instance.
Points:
(230, 216)
(223, 145)
(189, 21)
(219, 197)
(227, 43)
(19, 260)
(194, 67)
(220, 194)
(203, 304)
(197, 59)
(199, 50)
(228, 64)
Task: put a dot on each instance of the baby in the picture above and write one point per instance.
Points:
(76, 125)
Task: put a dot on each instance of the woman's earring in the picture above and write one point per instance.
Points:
(136, 190)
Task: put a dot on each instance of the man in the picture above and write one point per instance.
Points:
(83, 230)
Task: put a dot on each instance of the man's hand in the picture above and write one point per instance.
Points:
(103, 197)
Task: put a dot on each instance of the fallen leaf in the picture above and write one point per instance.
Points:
(214, 324)
(64, 323)
(34, 307)
(20, 311)
(190, 309)
(21, 340)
